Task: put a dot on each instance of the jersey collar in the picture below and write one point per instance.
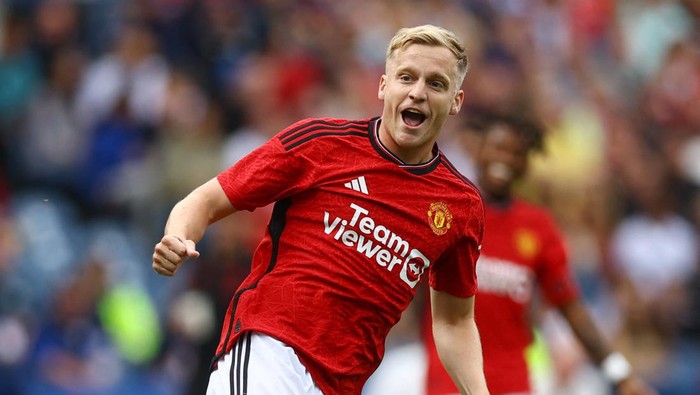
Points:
(418, 169)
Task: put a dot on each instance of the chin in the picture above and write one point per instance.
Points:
(408, 137)
(499, 190)
(498, 197)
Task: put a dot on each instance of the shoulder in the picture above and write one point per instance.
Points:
(312, 129)
(465, 185)
(535, 214)
(462, 196)
(531, 208)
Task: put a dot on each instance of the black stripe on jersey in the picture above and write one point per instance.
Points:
(305, 131)
(374, 139)
(419, 169)
(453, 170)
(316, 122)
(347, 132)
(278, 222)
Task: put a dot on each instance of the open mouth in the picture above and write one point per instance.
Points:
(412, 118)
(500, 172)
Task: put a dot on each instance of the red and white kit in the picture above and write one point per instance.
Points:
(367, 229)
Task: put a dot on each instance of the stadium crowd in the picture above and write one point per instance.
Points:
(111, 111)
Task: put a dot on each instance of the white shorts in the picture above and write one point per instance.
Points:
(261, 365)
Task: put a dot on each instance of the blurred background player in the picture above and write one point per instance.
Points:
(523, 253)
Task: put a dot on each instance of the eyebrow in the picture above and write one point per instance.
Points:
(434, 75)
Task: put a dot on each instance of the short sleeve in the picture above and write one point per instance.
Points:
(267, 174)
(556, 280)
(455, 271)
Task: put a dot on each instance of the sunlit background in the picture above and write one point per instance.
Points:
(112, 110)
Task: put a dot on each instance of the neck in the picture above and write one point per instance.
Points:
(496, 200)
(413, 157)
(409, 156)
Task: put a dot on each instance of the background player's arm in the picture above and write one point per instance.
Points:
(187, 223)
(457, 341)
(586, 331)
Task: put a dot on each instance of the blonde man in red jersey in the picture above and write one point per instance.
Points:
(363, 210)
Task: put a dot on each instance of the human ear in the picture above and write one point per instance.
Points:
(457, 102)
(382, 87)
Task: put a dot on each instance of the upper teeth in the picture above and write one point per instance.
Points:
(500, 170)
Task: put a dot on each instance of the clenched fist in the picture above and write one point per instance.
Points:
(170, 252)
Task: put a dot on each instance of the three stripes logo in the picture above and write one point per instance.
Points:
(358, 184)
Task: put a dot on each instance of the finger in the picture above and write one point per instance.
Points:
(165, 263)
(166, 252)
(175, 244)
(191, 249)
(162, 271)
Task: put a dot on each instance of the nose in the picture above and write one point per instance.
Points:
(418, 91)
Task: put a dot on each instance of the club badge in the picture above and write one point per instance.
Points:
(440, 218)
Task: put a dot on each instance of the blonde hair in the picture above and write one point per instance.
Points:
(433, 36)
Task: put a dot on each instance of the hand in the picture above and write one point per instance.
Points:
(169, 254)
(633, 385)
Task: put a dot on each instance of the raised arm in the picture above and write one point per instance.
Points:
(457, 341)
(186, 225)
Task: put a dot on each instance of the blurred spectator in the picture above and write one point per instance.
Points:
(256, 77)
(674, 91)
(115, 142)
(56, 26)
(133, 75)
(649, 27)
(190, 325)
(19, 71)
(72, 353)
(654, 247)
(50, 146)
(656, 252)
(192, 128)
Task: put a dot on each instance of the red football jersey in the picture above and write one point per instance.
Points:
(522, 249)
(352, 232)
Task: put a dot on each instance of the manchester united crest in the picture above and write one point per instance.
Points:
(440, 218)
(527, 243)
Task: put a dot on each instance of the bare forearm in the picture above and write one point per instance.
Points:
(191, 216)
(457, 341)
(188, 220)
(186, 225)
(586, 331)
(459, 348)
(613, 365)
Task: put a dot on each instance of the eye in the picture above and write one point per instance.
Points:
(405, 78)
(438, 84)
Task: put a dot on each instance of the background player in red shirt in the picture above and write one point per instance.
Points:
(363, 209)
(522, 249)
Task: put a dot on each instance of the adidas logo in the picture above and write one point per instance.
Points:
(358, 184)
